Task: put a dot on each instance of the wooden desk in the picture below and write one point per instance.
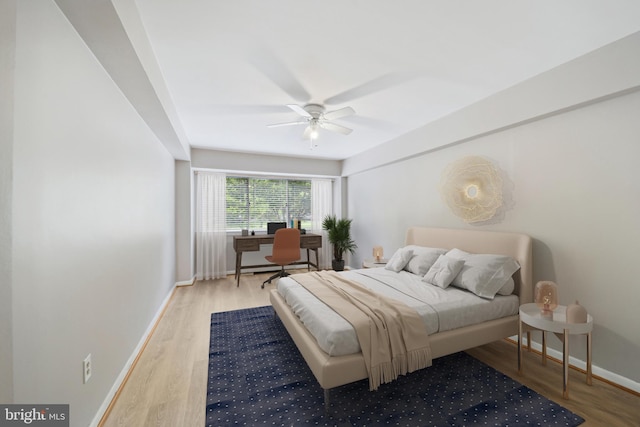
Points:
(242, 244)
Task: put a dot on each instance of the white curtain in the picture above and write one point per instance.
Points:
(211, 235)
(321, 206)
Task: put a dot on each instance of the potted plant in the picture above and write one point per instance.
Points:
(339, 234)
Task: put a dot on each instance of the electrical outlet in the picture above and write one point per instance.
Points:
(87, 369)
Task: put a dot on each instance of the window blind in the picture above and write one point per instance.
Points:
(253, 202)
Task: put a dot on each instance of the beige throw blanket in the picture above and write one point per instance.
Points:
(392, 336)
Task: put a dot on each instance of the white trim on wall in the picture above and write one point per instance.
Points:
(581, 364)
(186, 282)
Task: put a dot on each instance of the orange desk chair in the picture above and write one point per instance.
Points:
(286, 249)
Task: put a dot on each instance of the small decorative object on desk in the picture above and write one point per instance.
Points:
(576, 313)
(546, 297)
(377, 253)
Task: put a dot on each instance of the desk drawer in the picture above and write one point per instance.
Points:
(311, 242)
(246, 245)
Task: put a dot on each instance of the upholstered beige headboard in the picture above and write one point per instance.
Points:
(515, 245)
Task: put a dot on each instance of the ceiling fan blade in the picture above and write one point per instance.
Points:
(376, 85)
(275, 125)
(275, 70)
(337, 114)
(335, 128)
(298, 109)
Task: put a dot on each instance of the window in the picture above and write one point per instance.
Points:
(252, 202)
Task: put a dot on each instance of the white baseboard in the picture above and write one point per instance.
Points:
(581, 364)
(186, 282)
(127, 367)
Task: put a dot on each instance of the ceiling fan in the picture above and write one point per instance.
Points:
(314, 114)
(315, 117)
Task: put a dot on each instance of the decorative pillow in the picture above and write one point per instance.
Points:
(423, 258)
(483, 274)
(508, 287)
(443, 271)
(399, 259)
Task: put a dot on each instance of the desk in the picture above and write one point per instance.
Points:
(252, 244)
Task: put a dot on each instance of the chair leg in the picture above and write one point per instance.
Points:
(280, 273)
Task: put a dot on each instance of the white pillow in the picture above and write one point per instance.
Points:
(399, 259)
(483, 274)
(443, 271)
(423, 258)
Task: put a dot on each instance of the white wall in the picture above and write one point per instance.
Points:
(570, 183)
(609, 71)
(7, 51)
(184, 224)
(246, 162)
(93, 219)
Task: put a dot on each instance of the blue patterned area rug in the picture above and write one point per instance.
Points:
(258, 377)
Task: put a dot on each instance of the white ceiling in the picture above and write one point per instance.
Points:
(230, 67)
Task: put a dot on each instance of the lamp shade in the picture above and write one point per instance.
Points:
(546, 297)
(377, 253)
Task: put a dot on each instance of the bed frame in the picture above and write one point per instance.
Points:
(334, 371)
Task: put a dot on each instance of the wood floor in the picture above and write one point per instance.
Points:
(167, 386)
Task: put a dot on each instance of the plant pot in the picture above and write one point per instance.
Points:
(337, 265)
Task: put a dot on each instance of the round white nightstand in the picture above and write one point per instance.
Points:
(532, 318)
(372, 263)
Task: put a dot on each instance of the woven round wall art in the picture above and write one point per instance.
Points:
(472, 188)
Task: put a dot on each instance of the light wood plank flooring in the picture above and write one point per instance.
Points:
(168, 385)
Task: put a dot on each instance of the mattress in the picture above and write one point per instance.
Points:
(440, 309)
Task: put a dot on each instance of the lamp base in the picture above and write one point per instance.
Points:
(546, 313)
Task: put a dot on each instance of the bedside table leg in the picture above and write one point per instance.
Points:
(520, 346)
(544, 348)
(565, 364)
(589, 373)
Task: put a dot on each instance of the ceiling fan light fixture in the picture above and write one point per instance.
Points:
(315, 117)
(313, 134)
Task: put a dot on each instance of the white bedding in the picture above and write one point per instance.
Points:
(440, 309)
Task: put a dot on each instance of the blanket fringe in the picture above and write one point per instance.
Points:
(400, 365)
(418, 359)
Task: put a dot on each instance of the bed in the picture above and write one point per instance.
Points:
(333, 371)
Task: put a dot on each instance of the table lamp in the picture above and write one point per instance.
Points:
(377, 253)
(546, 297)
